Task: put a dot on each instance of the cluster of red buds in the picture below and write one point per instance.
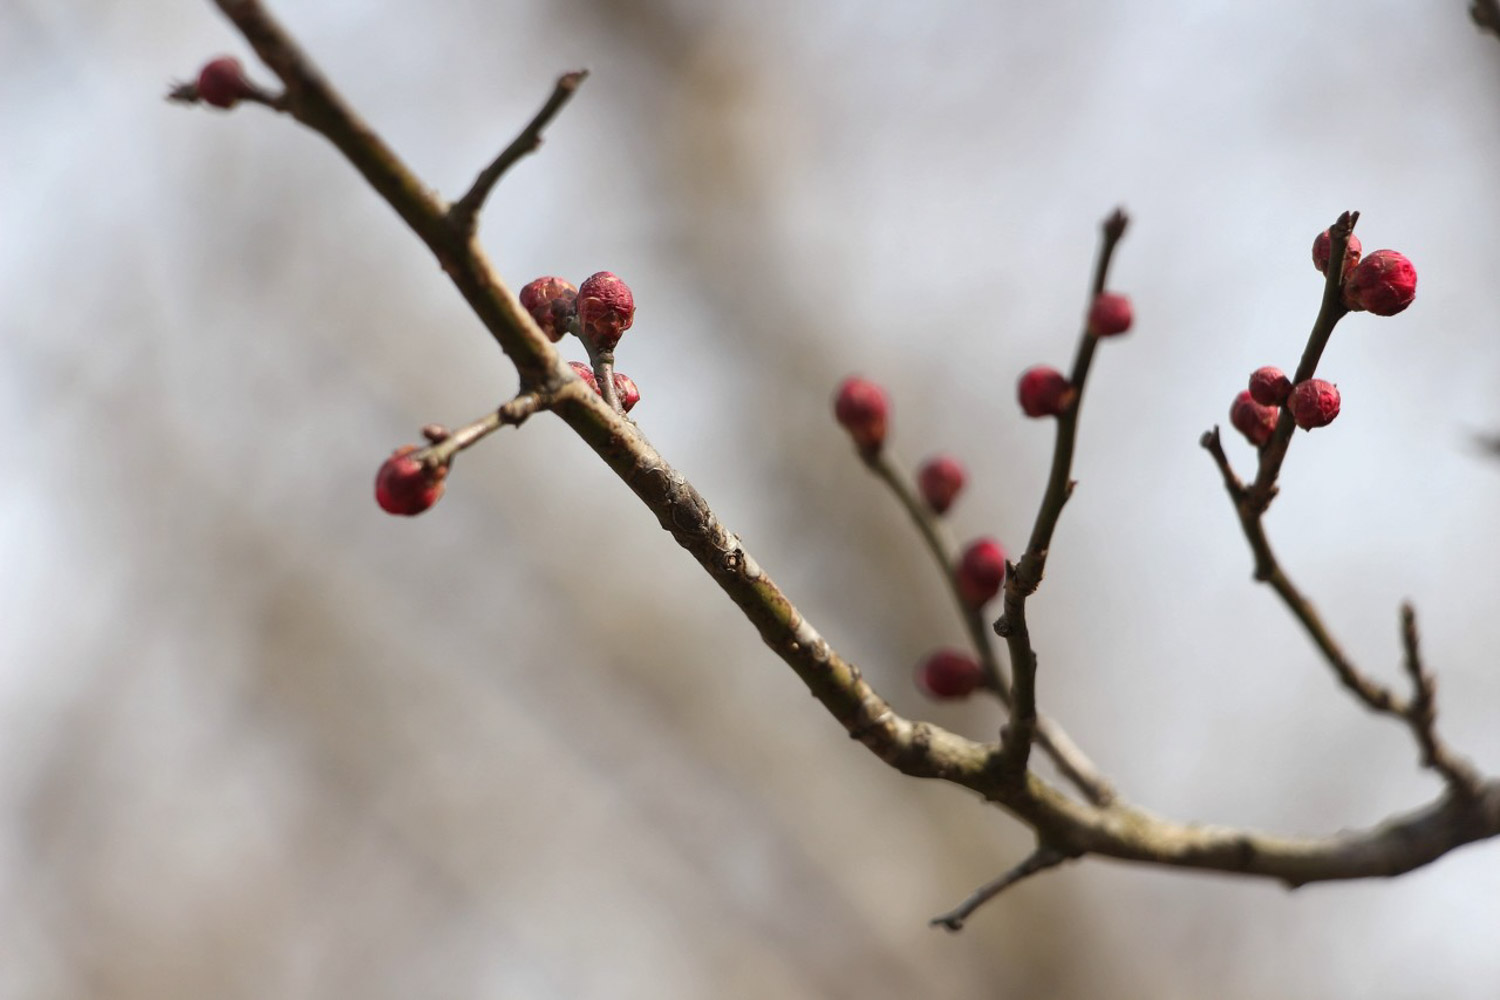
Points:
(1384, 283)
(598, 312)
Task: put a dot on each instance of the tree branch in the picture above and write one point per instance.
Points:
(1038, 860)
(1068, 826)
(464, 211)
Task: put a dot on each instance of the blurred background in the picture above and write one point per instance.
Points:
(258, 739)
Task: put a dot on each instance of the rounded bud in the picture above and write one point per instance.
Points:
(627, 391)
(550, 301)
(860, 406)
(1323, 246)
(940, 480)
(405, 485)
(981, 571)
(222, 83)
(1269, 386)
(1384, 283)
(1314, 403)
(586, 373)
(1043, 392)
(948, 675)
(1252, 419)
(1110, 315)
(606, 308)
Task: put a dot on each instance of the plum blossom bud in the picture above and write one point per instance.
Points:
(407, 486)
(1252, 419)
(948, 675)
(550, 301)
(1110, 315)
(981, 571)
(1314, 403)
(940, 480)
(1384, 283)
(222, 83)
(1323, 246)
(1269, 386)
(606, 308)
(860, 406)
(1043, 392)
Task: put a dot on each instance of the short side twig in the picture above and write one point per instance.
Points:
(1421, 713)
(1038, 860)
(1026, 575)
(464, 211)
(1267, 570)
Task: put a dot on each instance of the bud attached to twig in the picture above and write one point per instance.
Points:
(948, 675)
(627, 391)
(550, 301)
(1269, 386)
(1384, 283)
(981, 571)
(407, 486)
(1323, 246)
(606, 308)
(861, 407)
(1043, 392)
(222, 83)
(1314, 403)
(1254, 420)
(940, 480)
(1110, 315)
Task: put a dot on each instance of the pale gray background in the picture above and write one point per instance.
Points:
(258, 739)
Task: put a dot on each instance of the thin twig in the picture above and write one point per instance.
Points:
(1330, 311)
(1074, 764)
(464, 211)
(1421, 713)
(446, 444)
(1038, 860)
(1026, 575)
(1267, 570)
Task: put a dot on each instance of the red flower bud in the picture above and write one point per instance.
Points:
(586, 373)
(405, 485)
(626, 390)
(1323, 246)
(1269, 386)
(981, 571)
(860, 406)
(222, 83)
(1043, 392)
(1314, 403)
(940, 480)
(948, 675)
(1252, 419)
(605, 310)
(550, 302)
(1111, 314)
(1384, 283)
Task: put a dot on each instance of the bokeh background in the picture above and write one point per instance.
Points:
(258, 739)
